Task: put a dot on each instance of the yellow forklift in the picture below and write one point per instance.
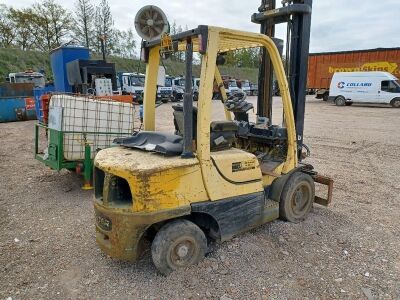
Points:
(210, 179)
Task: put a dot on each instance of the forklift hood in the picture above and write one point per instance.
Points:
(130, 161)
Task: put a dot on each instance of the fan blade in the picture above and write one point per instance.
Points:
(157, 29)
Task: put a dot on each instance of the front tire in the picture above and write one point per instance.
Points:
(297, 197)
(395, 103)
(340, 101)
(178, 244)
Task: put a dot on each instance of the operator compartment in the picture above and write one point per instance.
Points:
(268, 142)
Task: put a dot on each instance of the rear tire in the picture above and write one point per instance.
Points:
(340, 101)
(178, 244)
(325, 96)
(395, 103)
(297, 197)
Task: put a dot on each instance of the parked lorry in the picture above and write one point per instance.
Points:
(131, 83)
(172, 90)
(364, 87)
(245, 86)
(36, 78)
(322, 66)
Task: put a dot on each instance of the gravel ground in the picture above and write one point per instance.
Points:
(348, 250)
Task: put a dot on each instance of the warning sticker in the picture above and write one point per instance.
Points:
(243, 165)
(29, 103)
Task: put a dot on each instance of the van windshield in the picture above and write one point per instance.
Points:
(232, 83)
(390, 86)
(245, 84)
(168, 82)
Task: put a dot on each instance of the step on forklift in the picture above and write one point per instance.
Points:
(209, 180)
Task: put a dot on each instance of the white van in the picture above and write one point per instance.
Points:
(364, 87)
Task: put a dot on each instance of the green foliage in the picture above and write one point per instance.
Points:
(244, 58)
(84, 22)
(14, 60)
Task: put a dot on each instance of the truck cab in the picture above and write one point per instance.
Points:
(170, 91)
(245, 86)
(231, 87)
(364, 87)
(132, 83)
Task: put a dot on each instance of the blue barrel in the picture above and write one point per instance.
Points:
(37, 93)
(59, 58)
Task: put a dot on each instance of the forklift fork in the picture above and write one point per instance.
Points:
(325, 180)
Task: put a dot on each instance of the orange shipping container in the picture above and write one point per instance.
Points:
(322, 66)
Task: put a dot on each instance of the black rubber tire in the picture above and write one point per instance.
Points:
(395, 103)
(164, 100)
(195, 96)
(179, 233)
(340, 101)
(349, 103)
(325, 96)
(297, 197)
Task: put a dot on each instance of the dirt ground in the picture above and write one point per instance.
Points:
(350, 250)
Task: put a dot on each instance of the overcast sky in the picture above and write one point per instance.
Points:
(336, 25)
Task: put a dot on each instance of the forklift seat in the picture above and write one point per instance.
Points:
(178, 120)
(222, 133)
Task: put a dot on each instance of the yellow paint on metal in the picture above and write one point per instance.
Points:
(237, 165)
(269, 178)
(150, 89)
(156, 182)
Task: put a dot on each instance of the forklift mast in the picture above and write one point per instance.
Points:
(297, 15)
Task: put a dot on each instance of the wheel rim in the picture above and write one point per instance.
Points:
(340, 101)
(300, 200)
(182, 252)
(396, 103)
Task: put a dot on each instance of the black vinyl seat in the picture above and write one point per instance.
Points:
(222, 133)
(164, 143)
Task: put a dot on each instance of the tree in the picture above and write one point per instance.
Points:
(125, 44)
(84, 19)
(7, 27)
(53, 22)
(104, 27)
(23, 20)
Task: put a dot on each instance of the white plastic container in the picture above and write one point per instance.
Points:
(100, 121)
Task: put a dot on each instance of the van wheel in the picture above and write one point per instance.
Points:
(297, 197)
(340, 101)
(178, 244)
(395, 103)
(349, 103)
